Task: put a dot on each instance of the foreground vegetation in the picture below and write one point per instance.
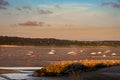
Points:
(69, 67)
(5, 40)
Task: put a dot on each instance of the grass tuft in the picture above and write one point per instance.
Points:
(69, 67)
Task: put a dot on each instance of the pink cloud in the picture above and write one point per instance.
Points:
(112, 4)
(31, 23)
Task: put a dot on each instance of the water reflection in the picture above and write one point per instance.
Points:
(23, 76)
(26, 74)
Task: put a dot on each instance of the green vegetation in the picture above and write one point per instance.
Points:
(69, 67)
(5, 40)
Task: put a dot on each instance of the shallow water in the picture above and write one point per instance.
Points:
(26, 74)
(20, 76)
(33, 56)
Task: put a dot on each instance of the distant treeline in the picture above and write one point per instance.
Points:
(5, 40)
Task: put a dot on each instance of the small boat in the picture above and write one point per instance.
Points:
(99, 52)
(51, 52)
(29, 53)
(113, 54)
(72, 53)
(104, 55)
(93, 53)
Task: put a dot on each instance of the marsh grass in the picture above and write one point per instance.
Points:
(68, 67)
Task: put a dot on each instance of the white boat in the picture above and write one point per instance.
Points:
(51, 52)
(72, 53)
(104, 55)
(29, 53)
(99, 52)
(93, 53)
(113, 54)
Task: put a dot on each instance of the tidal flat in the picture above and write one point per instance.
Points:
(37, 56)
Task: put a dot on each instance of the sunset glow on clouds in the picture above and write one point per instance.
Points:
(58, 14)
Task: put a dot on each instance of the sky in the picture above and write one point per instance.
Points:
(61, 19)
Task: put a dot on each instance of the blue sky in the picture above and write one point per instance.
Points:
(94, 7)
(17, 14)
(34, 2)
(37, 2)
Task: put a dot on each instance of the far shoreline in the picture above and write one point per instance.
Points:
(73, 46)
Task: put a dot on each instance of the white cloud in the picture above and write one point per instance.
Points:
(66, 7)
(82, 14)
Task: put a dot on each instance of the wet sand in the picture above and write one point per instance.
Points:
(4, 71)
